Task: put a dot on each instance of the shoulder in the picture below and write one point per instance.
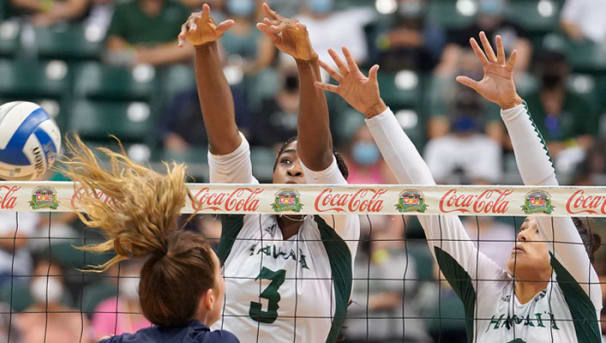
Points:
(220, 336)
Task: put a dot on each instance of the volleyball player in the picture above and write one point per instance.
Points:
(549, 291)
(288, 277)
(141, 221)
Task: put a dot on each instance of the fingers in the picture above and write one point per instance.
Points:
(266, 30)
(205, 12)
(512, 60)
(338, 62)
(224, 26)
(181, 36)
(464, 80)
(373, 72)
(478, 51)
(331, 71)
(500, 51)
(353, 66)
(271, 13)
(487, 47)
(326, 86)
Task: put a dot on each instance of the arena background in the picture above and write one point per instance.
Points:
(68, 57)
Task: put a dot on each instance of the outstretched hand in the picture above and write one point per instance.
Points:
(288, 35)
(200, 28)
(361, 92)
(497, 84)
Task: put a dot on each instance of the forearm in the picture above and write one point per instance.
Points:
(314, 138)
(165, 54)
(536, 168)
(34, 5)
(216, 101)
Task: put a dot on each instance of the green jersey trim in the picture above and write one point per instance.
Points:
(583, 312)
(340, 260)
(231, 226)
(460, 282)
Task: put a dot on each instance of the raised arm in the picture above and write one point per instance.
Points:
(448, 241)
(533, 160)
(213, 90)
(314, 145)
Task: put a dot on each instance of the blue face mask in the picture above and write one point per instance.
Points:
(241, 8)
(491, 7)
(320, 6)
(365, 153)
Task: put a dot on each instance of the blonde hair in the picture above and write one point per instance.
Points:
(143, 205)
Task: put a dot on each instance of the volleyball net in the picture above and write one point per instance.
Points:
(399, 293)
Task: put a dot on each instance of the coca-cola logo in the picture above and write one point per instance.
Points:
(489, 201)
(365, 200)
(8, 197)
(242, 199)
(80, 191)
(579, 202)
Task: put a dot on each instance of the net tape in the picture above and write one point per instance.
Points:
(339, 199)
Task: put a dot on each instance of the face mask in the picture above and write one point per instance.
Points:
(320, 6)
(365, 153)
(291, 83)
(241, 8)
(411, 9)
(39, 288)
(129, 287)
(465, 123)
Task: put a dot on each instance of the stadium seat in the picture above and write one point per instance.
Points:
(196, 159)
(263, 162)
(587, 57)
(32, 79)
(448, 16)
(103, 82)
(542, 16)
(95, 293)
(95, 120)
(68, 42)
(9, 37)
(400, 89)
(175, 79)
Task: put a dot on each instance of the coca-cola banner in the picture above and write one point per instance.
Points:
(326, 199)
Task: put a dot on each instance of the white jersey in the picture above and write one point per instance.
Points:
(277, 290)
(566, 311)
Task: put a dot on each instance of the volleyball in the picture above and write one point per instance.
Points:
(29, 141)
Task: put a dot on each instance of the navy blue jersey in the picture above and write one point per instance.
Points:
(195, 332)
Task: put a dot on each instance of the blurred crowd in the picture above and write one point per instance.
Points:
(114, 66)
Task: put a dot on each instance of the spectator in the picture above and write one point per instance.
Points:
(465, 153)
(46, 13)
(245, 46)
(584, 20)
(331, 29)
(444, 92)
(364, 161)
(592, 170)
(412, 41)
(181, 127)
(145, 31)
(496, 238)
(122, 314)
(566, 120)
(491, 20)
(99, 18)
(276, 119)
(48, 320)
(15, 258)
(379, 291)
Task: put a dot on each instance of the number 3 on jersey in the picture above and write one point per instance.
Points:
(271, 294)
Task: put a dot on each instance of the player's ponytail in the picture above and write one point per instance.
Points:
(138, 213)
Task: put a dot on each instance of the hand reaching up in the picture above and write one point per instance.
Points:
(361, 92)
(200, 28)
(288, 35)
(497, 84)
